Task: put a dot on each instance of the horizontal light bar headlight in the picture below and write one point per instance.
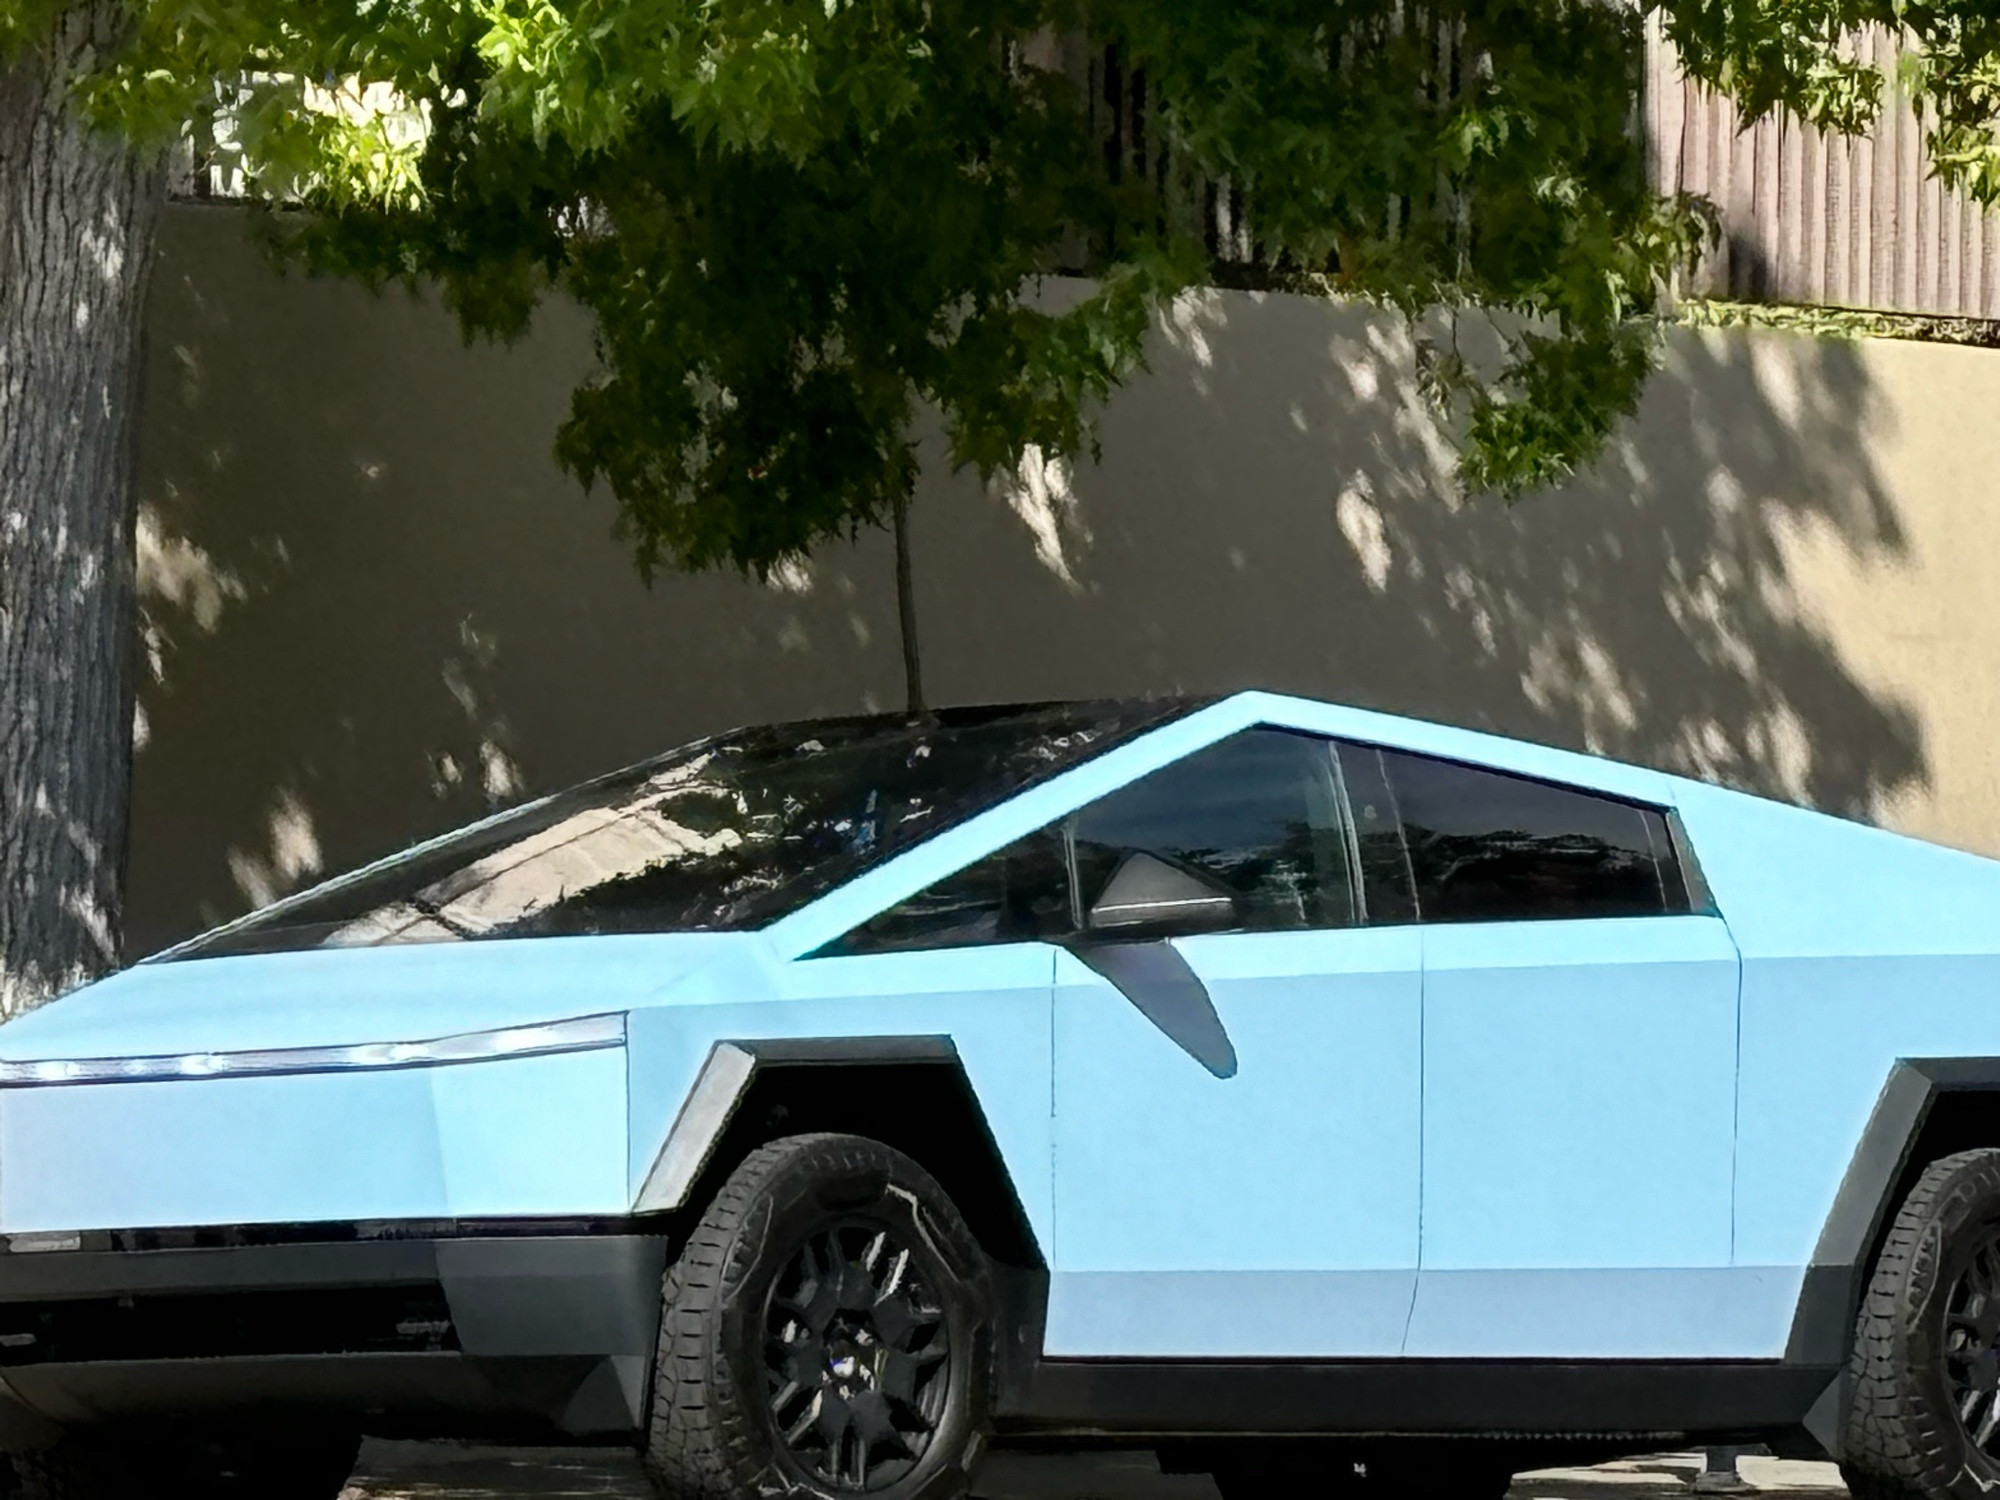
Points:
(582, 1034)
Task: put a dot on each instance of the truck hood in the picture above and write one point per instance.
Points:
(350, 996)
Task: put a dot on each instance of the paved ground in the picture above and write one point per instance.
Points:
(446, 1471)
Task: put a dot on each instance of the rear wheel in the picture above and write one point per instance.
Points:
(825, 1332)
(1924, 1378)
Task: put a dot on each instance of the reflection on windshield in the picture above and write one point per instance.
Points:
(590, 850)
(726, 833)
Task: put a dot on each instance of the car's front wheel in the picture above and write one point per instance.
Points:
(825, 1332)
(1924, 1378)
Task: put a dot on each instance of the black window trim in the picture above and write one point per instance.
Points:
(1357, 885)
(1700, 895)
(1335, 744)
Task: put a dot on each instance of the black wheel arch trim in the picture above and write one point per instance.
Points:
(744, 1084)
(1878, 1175)
(1823, 1327)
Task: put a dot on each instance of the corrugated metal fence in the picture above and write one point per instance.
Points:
(1807, 217)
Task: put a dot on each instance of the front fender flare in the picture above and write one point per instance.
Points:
(724, 1083)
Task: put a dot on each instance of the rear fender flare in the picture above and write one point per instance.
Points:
(1928, 1107)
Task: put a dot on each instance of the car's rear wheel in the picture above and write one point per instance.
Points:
(825, 1331)
(119, 1465)
(1924, 1377)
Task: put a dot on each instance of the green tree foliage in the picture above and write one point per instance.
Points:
(798, 221)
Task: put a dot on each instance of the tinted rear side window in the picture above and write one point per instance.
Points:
(1489, 847)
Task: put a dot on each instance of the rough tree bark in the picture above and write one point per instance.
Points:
(77, 216)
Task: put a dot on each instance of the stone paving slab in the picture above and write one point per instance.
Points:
(1674, 1474)
(454, 1471)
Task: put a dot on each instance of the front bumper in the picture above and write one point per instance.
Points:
(511, 1331)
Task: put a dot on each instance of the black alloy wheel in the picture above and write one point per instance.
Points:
(858, 1358)
(825, 1334)
(1972, 1343)
(1923, 1384)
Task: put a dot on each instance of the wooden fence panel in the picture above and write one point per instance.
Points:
(1812, 217)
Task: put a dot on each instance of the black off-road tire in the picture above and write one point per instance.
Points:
(1903, 1435)
(134, 1465)
(727, 1319)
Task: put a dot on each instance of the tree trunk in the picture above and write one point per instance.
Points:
(77, 216)
(906, 612)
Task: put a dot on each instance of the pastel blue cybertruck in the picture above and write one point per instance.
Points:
(1303, 1093)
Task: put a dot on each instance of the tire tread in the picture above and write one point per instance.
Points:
(1896, 1443)
(701, 1441)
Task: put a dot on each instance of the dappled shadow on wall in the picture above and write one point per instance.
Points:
(374, 608)
(1274, 508)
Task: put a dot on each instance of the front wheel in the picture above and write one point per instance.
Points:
(1924, 1378)
(825, 1332)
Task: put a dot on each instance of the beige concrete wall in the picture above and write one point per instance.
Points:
(374, 604)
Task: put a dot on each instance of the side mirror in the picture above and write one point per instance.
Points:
(1147, 897)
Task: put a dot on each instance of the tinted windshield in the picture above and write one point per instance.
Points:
(726, 833)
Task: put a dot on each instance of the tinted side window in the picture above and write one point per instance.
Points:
(1258, 814)
(1488, 847)
(1019, 894)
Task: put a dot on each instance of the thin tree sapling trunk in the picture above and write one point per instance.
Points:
(906, 611)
